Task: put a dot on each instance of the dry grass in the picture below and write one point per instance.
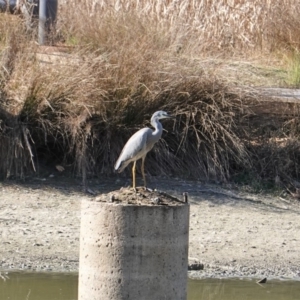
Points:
(212, 27)
(127, 59)
(85, 113)
(273, 144)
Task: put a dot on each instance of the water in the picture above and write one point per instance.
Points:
(39, 286)
(58, 286)
(236, 289)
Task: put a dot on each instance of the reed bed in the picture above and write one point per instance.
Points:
(83, 113)
(213, 27)
(122, 61)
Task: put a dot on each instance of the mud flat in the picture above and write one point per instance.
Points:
(232, 234)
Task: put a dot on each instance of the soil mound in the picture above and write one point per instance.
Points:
(141, 196)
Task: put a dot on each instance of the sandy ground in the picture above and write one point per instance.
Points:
(231, 233)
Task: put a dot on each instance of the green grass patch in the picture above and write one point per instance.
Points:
(293, 64)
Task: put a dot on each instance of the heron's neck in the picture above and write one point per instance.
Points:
(158, 128)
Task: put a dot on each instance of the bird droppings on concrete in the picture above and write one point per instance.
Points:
(140, 196)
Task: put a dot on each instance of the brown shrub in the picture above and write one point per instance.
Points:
(127, 60)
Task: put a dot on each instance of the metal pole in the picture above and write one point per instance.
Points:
(42, 21)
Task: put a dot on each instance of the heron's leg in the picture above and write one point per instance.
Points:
(133, 174)
(143, 171)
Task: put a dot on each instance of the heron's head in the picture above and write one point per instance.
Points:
(161, 115)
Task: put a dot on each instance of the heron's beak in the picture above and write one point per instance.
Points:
(171, 117)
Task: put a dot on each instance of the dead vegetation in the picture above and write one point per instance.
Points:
(220, 27)
(122, 61)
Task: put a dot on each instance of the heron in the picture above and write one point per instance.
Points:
(140, 144)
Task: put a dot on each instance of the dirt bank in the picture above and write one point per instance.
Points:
(231, 233)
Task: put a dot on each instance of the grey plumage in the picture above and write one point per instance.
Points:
(140, 144)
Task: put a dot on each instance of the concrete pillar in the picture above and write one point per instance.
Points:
(134, 252)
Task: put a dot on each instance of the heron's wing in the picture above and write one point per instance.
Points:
(134, 149)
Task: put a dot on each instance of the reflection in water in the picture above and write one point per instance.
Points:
(59, 286)
(39, 286)
(235, 289)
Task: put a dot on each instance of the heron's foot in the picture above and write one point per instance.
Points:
(140, 188)
(148, 189)
(144, 188)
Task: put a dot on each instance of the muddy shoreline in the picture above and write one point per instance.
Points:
(232, 234)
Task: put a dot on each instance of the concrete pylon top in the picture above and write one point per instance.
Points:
(141, 197)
